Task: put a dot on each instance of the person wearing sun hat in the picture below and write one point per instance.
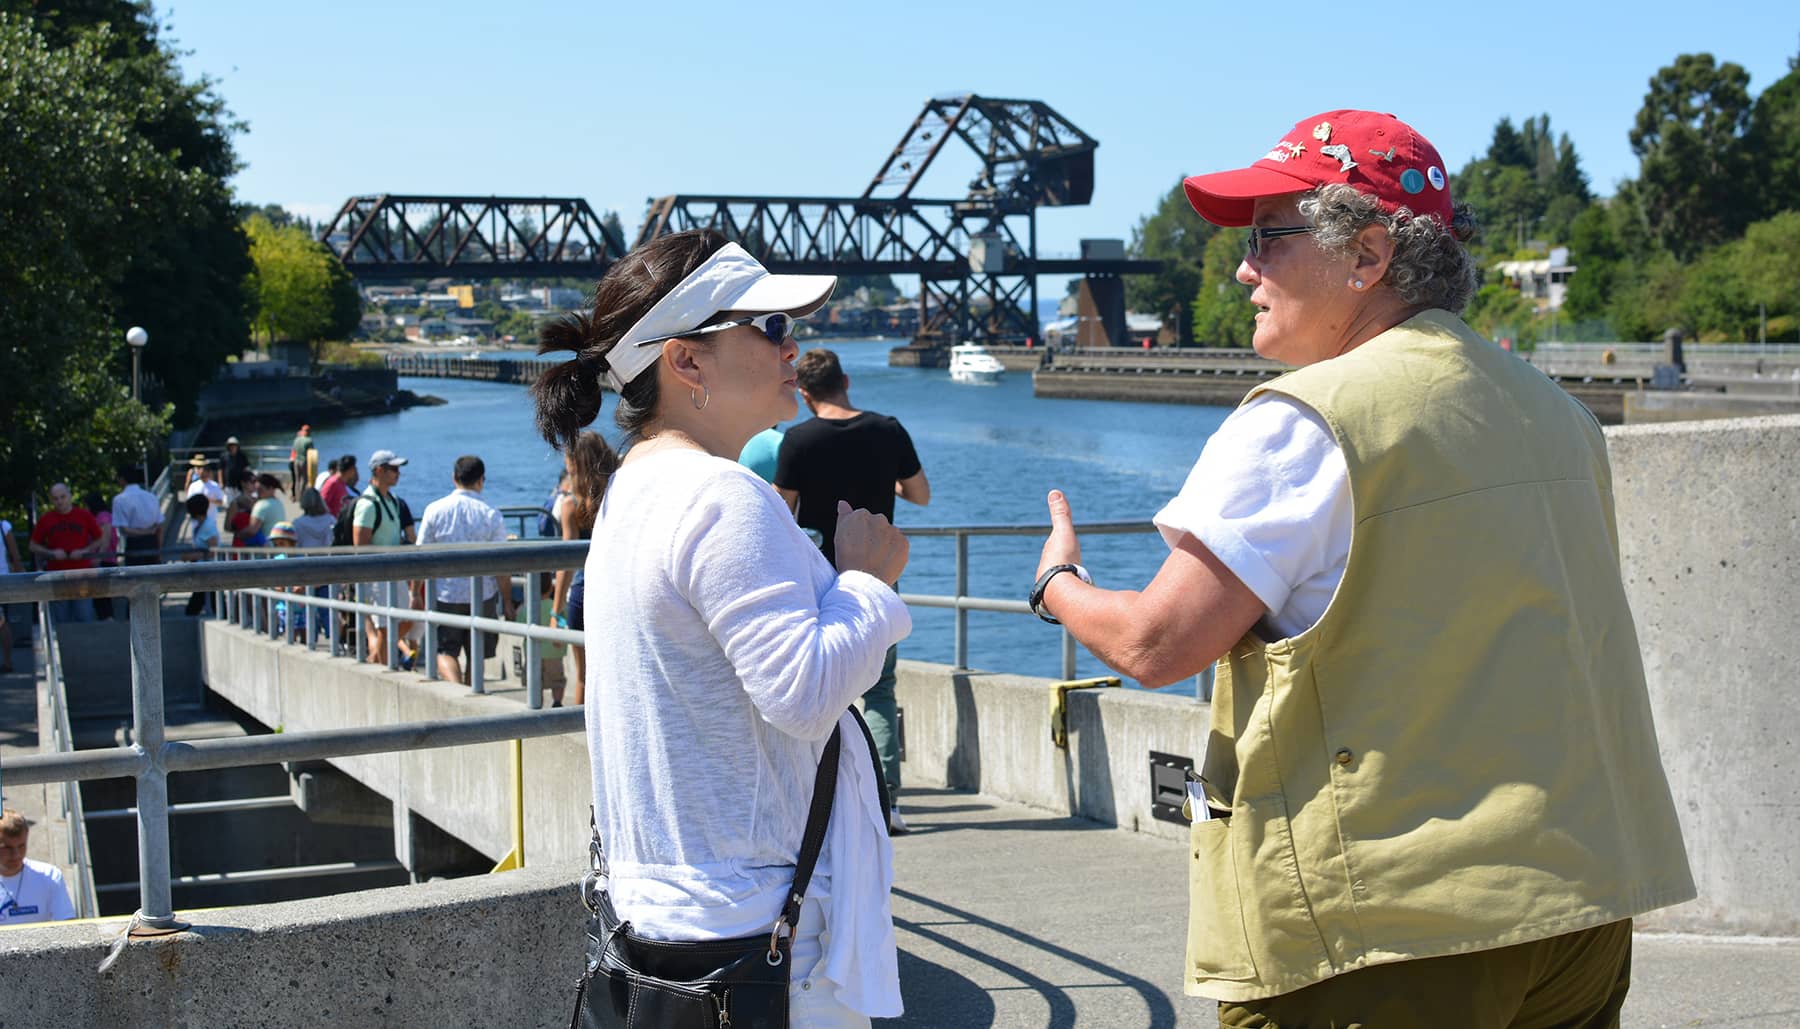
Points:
(1432, 793)
(723, 650)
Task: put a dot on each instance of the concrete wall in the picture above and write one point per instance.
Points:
(991, 733)
(1709, 528)
(494, 950)
(464, 790)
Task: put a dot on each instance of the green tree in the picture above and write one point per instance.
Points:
(186, 265)
(1773, 140)
(1175, 235)
(1650, 300)
(1693, 161)
(1500, 313)
(1599, 261)
(76, 178)
(300, 290)
(1223, 314)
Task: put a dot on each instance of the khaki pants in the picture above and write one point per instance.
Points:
(1575, 981)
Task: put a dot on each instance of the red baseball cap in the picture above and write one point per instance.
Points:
(1377, 154)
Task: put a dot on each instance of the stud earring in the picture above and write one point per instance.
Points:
(1356, 283)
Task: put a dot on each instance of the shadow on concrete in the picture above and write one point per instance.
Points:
(963, 769)
(1049, 823)
(1061, 1014)
(1089, 786)
(937, 997)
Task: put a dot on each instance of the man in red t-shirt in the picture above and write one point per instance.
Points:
(341, 486)
(65, 537)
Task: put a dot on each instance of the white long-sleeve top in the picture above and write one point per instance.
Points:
(721, 651)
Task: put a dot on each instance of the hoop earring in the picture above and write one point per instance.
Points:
(700, 402)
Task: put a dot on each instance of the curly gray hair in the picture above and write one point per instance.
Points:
(1430, 267)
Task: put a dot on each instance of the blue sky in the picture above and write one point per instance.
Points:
(617, 102)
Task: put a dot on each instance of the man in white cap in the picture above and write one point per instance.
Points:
(375, 522)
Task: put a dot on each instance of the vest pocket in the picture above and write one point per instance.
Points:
(1217, 946)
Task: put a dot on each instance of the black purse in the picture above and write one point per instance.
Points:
(742, 983)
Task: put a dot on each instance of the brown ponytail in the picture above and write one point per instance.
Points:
(568, 396)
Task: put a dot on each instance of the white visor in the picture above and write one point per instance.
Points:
(729, 280)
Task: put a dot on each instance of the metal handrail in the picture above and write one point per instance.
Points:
(63, 738)
(152, 757)
(247, 577)
(962, 603)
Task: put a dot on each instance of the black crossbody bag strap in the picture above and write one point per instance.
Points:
(881, 786)
(824, 788)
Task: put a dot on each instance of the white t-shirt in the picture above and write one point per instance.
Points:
(36, 894)
(1270, 497)
(722, 650)
(319, 482)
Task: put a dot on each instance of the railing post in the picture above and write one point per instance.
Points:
(358, 630)
(1068, 655)
(392, 636)
(961, 591)
(331, 622)
(429, 654)
(155, 903)
(534, 671)
(477, 664)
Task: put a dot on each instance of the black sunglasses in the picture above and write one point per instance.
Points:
(776, 326)
(1259, 235)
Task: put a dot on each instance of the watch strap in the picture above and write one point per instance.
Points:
(1036, 599)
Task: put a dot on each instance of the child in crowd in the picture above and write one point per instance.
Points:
(202, 533)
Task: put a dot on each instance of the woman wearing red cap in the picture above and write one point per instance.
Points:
(1432, 794)
(724, 652)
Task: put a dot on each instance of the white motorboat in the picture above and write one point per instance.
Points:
(970, 362)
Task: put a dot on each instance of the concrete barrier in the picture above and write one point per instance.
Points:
(991, 733)
(496, 950)
(1709, 534)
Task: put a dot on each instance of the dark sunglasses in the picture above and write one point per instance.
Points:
(1259, 235)
(777, 326)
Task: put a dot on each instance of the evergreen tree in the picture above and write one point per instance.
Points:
(1177, 236)
(1693, 162)
(1773, 140)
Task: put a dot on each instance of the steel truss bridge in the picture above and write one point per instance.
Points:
(976, 256)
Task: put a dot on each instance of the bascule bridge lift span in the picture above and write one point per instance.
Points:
(976, 257)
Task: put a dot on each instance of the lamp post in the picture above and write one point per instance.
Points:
(138, 339)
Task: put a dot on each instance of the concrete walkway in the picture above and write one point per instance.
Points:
(1014, 917)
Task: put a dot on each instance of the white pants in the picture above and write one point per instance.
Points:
(812, 999)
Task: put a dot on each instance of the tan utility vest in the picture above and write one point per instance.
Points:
(1460, 754)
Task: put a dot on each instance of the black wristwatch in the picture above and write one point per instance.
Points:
(1036, 600)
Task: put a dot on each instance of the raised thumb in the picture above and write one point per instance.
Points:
(1059, 510)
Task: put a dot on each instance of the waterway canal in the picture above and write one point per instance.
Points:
(991, 452)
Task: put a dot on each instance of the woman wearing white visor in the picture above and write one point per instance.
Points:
(723, 649)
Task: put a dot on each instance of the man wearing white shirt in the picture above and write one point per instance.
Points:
(463, 517)
(30, 891)
(137, 518)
